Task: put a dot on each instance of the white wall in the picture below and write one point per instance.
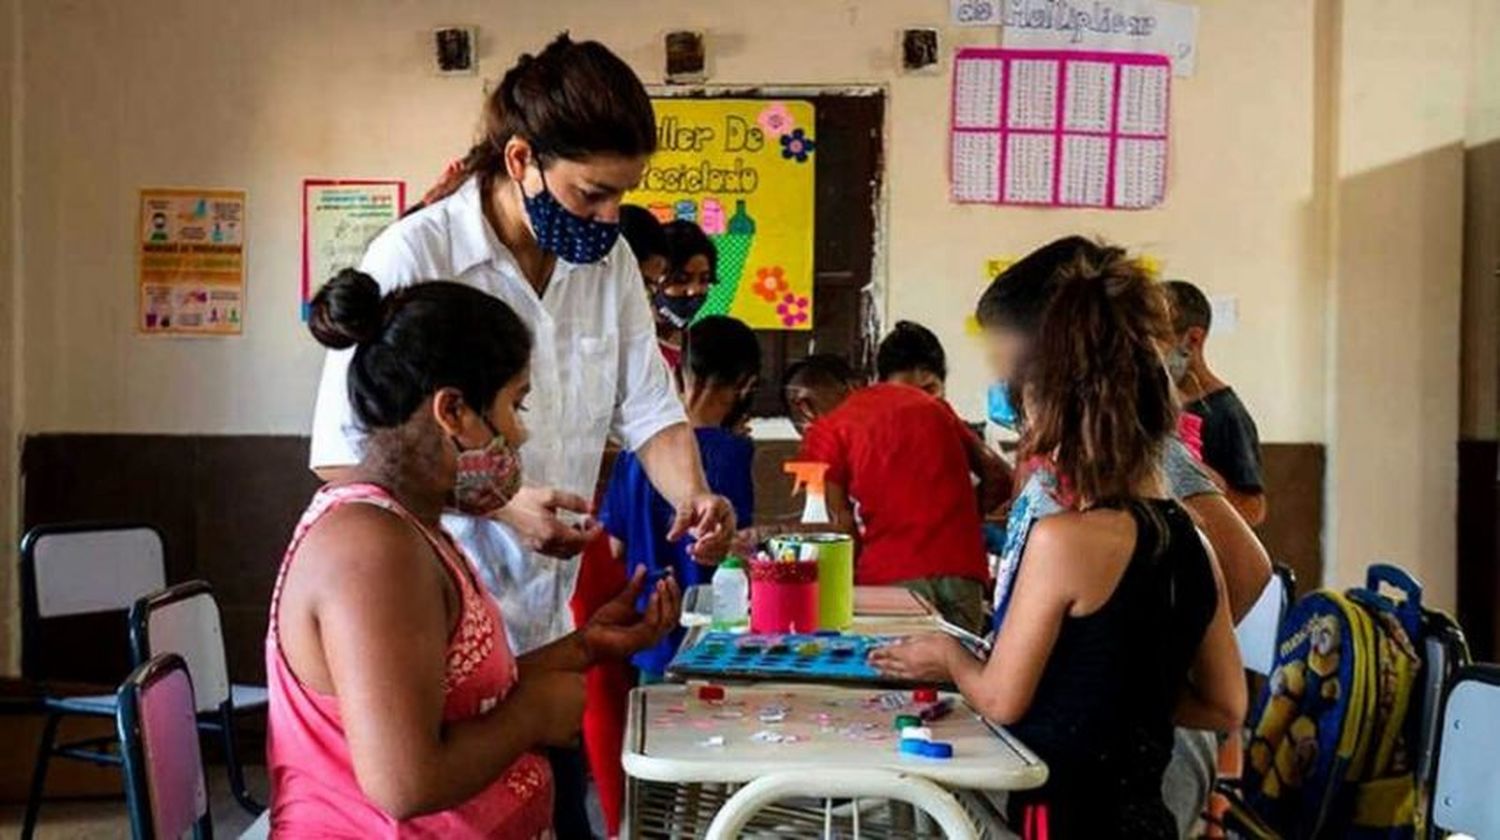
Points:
(1313, 175)
(260, 95)
(1402, 97)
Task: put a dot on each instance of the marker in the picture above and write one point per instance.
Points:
(937, 711)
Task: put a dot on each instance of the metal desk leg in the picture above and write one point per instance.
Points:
(885, 784)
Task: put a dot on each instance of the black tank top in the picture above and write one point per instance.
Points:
(1102, 714)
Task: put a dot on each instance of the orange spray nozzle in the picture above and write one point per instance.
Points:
(808, 476)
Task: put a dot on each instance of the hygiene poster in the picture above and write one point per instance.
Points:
(191, 262)
(339, 218)
(742, 169)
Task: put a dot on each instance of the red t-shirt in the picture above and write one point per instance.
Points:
(902, 456)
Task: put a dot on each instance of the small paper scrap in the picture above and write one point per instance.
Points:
(770, 736)
(773, 714)
(712, 741)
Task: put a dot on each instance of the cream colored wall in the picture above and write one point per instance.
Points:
(1394, 295)
(259, 95)
(1316, 171)
(1481, 302)
(9, 372)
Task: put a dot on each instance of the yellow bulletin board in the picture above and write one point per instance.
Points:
(742, 169)
(190, 254)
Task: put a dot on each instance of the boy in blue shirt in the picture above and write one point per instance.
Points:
(717, 380)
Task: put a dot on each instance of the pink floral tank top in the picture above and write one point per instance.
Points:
(314, 792)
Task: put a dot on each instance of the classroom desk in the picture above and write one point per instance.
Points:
(826, 732)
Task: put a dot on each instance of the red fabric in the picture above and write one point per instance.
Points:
(901, 456)
(673, 355)
(1190, 430)
(608, 684)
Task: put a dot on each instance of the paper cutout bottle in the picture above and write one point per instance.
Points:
(712, 219)
(741, 222)
(734, 256)
(808, 476)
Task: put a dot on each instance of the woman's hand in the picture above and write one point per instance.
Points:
(533, 514)
(618, 630)
(554, 701)
(927, 658)
(710, 519)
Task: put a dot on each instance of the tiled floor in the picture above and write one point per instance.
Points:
(101, 819)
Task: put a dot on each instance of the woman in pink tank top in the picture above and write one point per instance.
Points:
(396, 706)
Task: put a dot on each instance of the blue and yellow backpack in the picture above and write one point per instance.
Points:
(1333, 739)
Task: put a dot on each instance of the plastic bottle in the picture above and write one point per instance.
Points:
(731, 595)
(808, 475)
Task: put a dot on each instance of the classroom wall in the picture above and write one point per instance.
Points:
(1394, 297)
(1481, 302)
(10, 403)
(260, 95)
(1280, 194)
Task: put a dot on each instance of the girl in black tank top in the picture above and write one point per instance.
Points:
(1117, 627)
(1101, 717)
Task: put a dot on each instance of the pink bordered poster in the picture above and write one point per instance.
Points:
(1059, 128)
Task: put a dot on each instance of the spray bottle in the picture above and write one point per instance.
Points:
(808, 476)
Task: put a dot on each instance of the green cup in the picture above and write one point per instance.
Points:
(835, 574)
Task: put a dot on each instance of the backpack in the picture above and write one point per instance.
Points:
(1333, 737)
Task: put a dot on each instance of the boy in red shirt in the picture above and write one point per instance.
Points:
(899, 479)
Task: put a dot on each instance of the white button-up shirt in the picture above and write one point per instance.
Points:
(595, 368)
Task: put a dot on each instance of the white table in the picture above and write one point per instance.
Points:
(840, 735)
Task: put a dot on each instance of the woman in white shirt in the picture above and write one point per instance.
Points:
(530, 216)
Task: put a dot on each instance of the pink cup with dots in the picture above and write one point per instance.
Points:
(783, 597)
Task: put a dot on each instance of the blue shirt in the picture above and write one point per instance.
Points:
(636, 515)
(1041, 497)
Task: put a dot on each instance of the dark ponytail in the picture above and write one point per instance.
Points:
(572, 100)
(910, 346)
(415, 341)
(1098, 396)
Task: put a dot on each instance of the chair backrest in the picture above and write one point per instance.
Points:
(1468, 775)
(158, 723)
(1257, 632)
(1444, 650)
(184, 620)
(73, 573)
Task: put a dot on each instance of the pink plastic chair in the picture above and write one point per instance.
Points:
(158, 725)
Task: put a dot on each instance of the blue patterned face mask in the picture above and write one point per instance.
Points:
(560, 231)
(1000, 409)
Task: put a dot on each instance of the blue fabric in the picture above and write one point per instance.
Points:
(636, 515)
(1039, 499)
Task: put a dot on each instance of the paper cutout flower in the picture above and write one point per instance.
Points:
(796, 145)
(775, 120)
(770, 282)
(793, 310)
